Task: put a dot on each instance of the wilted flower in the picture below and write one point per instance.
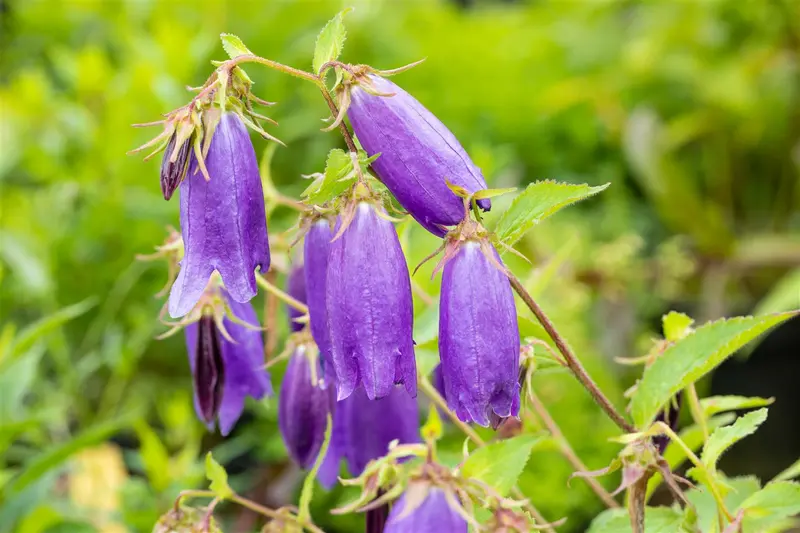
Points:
(418, 153)
(368, 301)
(296, 287)
(303, 407)
(478, 335)
(226, 370)
(223, 221)
(670, 416)
(424, 509)
(315, 258)
(363, 428)
(174, 164)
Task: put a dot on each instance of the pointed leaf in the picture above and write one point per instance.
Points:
(491, 193)
(726, 436)
(432, 430)
(676, 325)
(790, 473)
(218, 477)
(691, 358)
(339, 176)
(330, 41)
(233, 45)
(500, 464)
(720, 404)
(537, 202)
(771, 504)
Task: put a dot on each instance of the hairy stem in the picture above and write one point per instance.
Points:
(252, 58)
(636, 503)
(567, 451)
(572, 361)
(697, 411)
(272, 289)
(348, 139)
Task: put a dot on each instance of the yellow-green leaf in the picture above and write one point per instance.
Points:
(330, 41)
(676, 325)
(719, 404)
(233, 45)
(726, 436)
(500, 464)
(218, 477)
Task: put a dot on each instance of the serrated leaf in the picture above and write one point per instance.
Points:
(676, 325)
(538, 201)
(330, 41)
(308, 483)
(218, 477)
(692, 357)
(500, 464)
(773, 503)
(726, 436)
(706, 506)
(720, 404)
(233, 45)
(657, 520)
(339, 175)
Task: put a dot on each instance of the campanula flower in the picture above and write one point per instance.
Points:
(223, 220)
(418, 154)
(174, 165)
(368, 301)
(226, 370)
(478, 335)
(315, 258)
(432, 515)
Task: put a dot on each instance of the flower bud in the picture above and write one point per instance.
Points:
(418, 153)
(296, 287)
(433, 514)
(315, 258)
(368, 301)
(173, 165)
(226, 370)
(223, 220)
(364, 428)
(303, 407)
(478, 335)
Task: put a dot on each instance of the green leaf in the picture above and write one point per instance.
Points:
(726, 436)
(706, 506)
(308, 483)
(491, 193)
(790, 473)
(676, 326)
(719, 404)
(154, 457)
(432, 429)
(45, 325)
(537, 202)
(691, 358)
(330, 41)
(339, 176)
(657, 520)
(771, 504)
(218, 477)
(500, 464)
(233, 45)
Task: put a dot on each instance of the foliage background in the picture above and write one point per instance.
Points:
(690, 110)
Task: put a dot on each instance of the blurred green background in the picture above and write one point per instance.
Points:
(690, 109)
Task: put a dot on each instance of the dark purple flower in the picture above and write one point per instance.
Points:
(174, 170)
(370, 315)
(433, 515)
(364, 428)
(478, 335)
(670, 416)
(303, 408)
(296, 287)
(224, 371)
(223, 221)
(418, 153)
(315, 258)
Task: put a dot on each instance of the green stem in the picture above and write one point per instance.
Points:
(272, 289)
(252, 58)
(697, 410)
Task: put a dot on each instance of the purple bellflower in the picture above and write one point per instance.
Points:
(478, 335)
(368, 301)
(226, 370)
(315, 257)
(223, 221)
(432, 515)
(303, 407)
(296, 287)
(418, 153)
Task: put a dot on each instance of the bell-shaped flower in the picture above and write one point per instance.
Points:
(369, 306)
(419, 155)
(315, 258)
(227, 366)
(479, 341)
(425, 509)
(305, 402)
(296, 288)
(223, 221)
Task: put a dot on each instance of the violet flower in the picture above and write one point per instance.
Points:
(223, 221)
(363, 428)
(478, 335)
(173, 171)
(315, 258)
(418, 153)
(296, 287)
(226, 372)
(303, 408)
(433, 515)
(370, 315)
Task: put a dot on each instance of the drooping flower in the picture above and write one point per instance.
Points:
(369, 306)
(305, 402)
(363, 428)
(226, 370)
(418, 153)
(432, 515)
(223, 220)
(478, 335)
(296, 287)
(174, 165)
(315, 258)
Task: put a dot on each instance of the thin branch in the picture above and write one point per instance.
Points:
(348, 139)
(572, 361)
(272, 289)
